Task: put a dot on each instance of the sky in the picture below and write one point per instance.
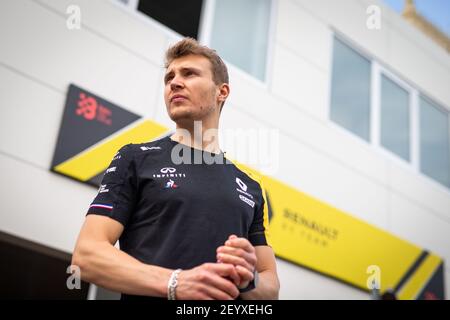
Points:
(436, 11)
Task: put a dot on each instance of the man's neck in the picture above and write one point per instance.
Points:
(198, 135)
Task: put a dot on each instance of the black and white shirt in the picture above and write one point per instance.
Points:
(174, 214)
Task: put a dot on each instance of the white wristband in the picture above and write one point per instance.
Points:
(172, 285)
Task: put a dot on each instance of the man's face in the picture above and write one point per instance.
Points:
(190, 92)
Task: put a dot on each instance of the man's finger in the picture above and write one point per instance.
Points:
(228, 258)
(226, 270)
(240, 243)
(249, 257)
(225, 286)
(244, 273)
(216, 294)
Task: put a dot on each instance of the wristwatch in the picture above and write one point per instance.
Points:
(252, 284)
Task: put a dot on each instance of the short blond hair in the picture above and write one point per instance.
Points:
(189, 46)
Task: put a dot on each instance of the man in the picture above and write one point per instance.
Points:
(186, 230)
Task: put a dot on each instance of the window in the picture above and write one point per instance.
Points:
(179, 15)
(238, 30)
(395, 118)
(373, 103)
(240, 33)
(434, 142)
(350, 95)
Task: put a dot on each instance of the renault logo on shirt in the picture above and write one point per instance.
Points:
(242, 187)
(169, 172)
(241, 184)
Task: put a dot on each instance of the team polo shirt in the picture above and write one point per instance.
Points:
(179, 204)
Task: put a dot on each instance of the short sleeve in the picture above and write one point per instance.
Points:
(259, 228)
(116, 197)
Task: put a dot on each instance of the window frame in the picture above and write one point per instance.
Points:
(413, 116)
(353, 46)
(440, 107)
(378, 69)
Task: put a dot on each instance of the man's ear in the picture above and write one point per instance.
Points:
(224, 91)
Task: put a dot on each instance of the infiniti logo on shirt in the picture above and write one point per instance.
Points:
(169, 172)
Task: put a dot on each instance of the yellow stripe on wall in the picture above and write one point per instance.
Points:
(88, 164)
(420, 278)
(308, 231)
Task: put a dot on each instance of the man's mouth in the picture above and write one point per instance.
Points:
(178, 98)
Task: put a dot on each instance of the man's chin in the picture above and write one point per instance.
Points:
(182, 116)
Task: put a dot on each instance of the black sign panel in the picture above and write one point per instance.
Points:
(87, 119)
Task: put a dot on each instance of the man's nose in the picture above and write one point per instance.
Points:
(176, 83)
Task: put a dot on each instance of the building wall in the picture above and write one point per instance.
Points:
(118, 54)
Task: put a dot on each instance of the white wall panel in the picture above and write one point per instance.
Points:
(418, 226)
(42, 47)
(42, 206)
(304, 34)
(30, 116)
(308, 285)
(420, 190)
(300, 82)
(117, 24)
